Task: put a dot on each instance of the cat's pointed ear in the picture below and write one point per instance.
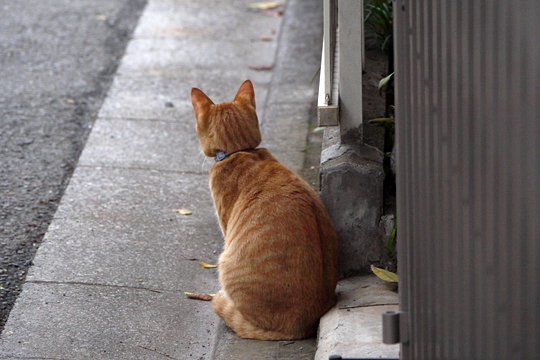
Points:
(246, 93)
(201, 102)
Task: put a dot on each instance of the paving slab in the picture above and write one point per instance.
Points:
(81, 252)
(102, 235)
(172, 55)
(106, 322)
(284, 132)
(227, 20)
(167, 96)
(129, 195)
(291, 82)
(149, 144)
(293, 89)
(231, 347)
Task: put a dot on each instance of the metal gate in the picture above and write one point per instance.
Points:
(468, 117)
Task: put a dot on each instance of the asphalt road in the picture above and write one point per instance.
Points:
(57, 60)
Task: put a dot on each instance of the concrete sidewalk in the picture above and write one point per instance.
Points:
(107, 281)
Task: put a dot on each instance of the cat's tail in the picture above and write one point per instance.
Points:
(225, 308)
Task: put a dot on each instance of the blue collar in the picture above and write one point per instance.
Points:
(222, 155)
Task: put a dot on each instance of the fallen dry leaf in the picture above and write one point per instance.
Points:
(199, 296)
(385, 274)
(101, 17)
(261, 67)
(206, 265)
(264, 5)
(184, 211)
(266, 38)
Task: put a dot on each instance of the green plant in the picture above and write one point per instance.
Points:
(388, 122)
(386, 86)
(391, 241)
(380, 31)
(379, 24)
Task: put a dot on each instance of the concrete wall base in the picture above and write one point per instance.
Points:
(352, 178)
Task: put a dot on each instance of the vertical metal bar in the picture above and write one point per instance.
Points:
(530, 82)
(363, 35)
(478, 25)
(490, 39)
(402, 160)
(421, 199)
(530, 88)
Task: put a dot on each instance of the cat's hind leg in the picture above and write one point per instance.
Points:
(224, 307)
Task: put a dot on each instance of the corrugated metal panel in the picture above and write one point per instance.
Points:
(468, 105)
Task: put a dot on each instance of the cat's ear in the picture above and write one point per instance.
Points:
(246, 93)
(201, 102)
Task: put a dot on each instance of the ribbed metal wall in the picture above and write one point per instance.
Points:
(468, 115)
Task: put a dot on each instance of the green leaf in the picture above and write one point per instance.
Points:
(391, 243)
(385, 275)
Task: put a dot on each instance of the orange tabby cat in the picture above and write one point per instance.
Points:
(278, 270)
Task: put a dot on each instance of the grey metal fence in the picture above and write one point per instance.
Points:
(468, 130)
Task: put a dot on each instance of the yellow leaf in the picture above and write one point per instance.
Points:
(101, 17)
(184, 211)
(385, 274)
(264, 5)
(206, 265)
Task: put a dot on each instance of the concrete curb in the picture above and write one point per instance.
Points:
(353, 328)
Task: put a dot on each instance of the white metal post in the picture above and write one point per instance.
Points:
(350, 22)
(328, 88)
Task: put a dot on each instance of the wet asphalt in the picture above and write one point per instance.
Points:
(57, 61)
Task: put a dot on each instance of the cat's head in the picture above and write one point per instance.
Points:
(229, 126)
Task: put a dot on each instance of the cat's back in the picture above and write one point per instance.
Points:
(257, 197)
(258, 179)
